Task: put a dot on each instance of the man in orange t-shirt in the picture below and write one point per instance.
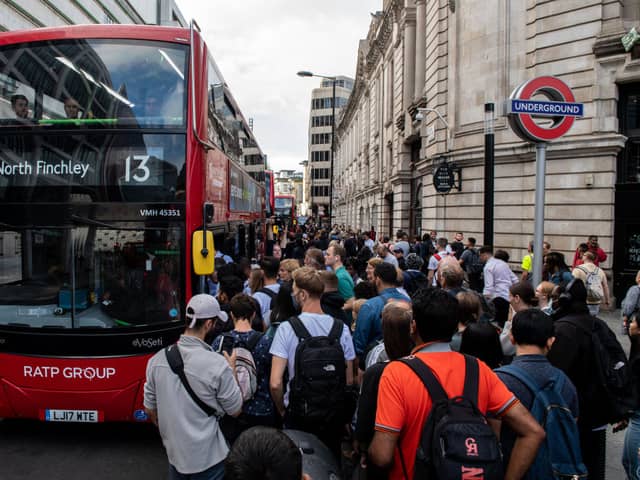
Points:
(404, 404)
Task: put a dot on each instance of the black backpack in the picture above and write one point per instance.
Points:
(317, 389)
(414, 280)
(612, 382)
(475, 264)
(456, 440)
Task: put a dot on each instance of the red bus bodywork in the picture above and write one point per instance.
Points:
(91, 378)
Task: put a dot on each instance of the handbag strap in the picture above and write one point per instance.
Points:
(177, 366)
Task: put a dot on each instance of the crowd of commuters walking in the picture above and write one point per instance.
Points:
(364, 341)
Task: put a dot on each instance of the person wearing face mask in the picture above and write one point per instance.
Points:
(184, 424)
(522, 297)
(308, 288)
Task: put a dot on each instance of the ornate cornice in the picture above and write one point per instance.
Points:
(608, 45)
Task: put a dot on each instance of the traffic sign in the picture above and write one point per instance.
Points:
(561, 106)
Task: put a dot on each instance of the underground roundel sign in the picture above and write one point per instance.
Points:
(560, 107)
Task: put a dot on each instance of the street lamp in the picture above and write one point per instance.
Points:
(420, 116)
(489, 172)
(305, 73)
(304, 164)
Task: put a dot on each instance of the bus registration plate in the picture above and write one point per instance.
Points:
(83, 416)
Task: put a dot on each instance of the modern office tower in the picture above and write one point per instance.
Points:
(318, 168)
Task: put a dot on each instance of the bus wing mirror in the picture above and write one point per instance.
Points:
(203, 252)
(208, 212)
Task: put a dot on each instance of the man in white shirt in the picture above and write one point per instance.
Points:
(307, 290)
(435, 259)
(498, 278)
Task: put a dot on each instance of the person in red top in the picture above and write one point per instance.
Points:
(593, 247)
(404, 404)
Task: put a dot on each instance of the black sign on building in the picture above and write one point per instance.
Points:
(444, 178)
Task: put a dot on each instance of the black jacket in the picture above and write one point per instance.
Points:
(331, 304)
(572, 352)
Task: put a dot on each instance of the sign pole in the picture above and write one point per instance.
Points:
(541, 153)
(523, 110)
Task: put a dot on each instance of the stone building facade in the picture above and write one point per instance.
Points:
(454, 57)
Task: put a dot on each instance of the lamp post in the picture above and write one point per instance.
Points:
(489, 174)
(420, 116)
(305, 164)
(304, 73)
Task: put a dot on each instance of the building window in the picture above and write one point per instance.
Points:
(320, 138)
(320, 191)
(322, 121)
(253, 160)
(320, 173)
(257, 176)
(326, 102)
(321, 156)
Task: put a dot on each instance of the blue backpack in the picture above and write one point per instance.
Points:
(559, 456)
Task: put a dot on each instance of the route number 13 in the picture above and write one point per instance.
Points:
(139, 165)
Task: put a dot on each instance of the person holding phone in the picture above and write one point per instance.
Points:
(259, 409)
(192, 438)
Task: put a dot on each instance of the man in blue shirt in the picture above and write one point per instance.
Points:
(532, 333)
(369, 322)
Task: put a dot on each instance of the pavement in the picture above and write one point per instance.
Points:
(614, 470)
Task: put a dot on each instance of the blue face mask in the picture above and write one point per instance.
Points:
(296, 305)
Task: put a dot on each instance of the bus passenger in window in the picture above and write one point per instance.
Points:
(20, 106)
(71, 108)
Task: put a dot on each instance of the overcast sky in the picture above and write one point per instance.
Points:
(259, 46)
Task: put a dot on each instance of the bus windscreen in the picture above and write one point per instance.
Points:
(91, 229)
(93, 82)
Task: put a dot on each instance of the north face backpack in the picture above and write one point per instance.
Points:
(456, 442)
(245, 364)
(317, 389)
(559, 456)
(595, 293)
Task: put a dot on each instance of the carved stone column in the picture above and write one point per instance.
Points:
(421, 54)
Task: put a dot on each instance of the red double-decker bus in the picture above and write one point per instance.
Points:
(120, 149)
(284, 208)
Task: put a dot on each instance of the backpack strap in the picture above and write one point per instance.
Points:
(176, 363)
(298, 328)
(471, 379)
(253, 341)
(522, 375)
(423, 371)
(336, 330)
(268, 292)
(583, 270)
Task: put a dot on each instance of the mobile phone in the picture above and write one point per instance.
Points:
(227, 344)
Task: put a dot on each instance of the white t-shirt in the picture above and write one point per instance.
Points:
(265, 301)
(433, 265)
(285, 341)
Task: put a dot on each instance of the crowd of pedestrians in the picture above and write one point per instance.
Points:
(360, 339)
